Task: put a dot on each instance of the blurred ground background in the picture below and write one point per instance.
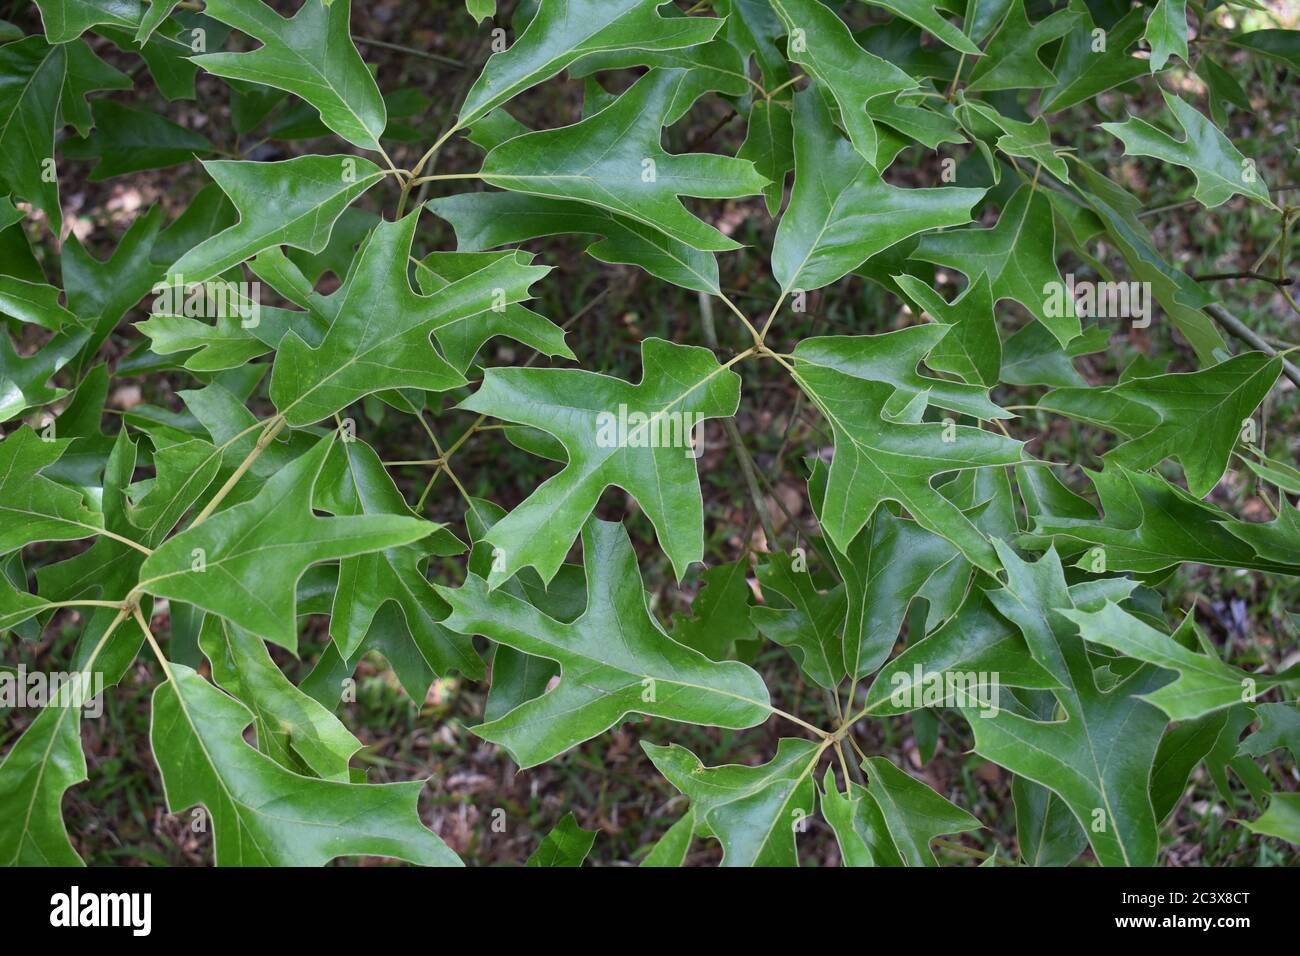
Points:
(119, 817)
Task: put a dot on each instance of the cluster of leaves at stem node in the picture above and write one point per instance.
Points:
(214, 519)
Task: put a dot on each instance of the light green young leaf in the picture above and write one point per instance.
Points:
(564, 31)
(602, 680)
(263, 814)
(615, 433)
(481, 10)
(310, 55)
(614, 160)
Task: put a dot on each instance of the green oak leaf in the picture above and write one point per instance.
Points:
(614, 660)
(293, 202)
(893, 357)
(1098, 755)
(35, 303)
(379, 327)
(1031, 140)
(720, 612)
(24, 379)
(753, 812)
(614, 160)
(461, 339)
(841, 211)
(565, 31)
(1181, 297)
(715, 66)
(892, 820)
(886, 566)
(244, 562)
(810, 627)
(1166, 32)
(66, 20)
(128, 141)
(1220, 169)
(1019, 257)
(354, 482)
(1205, 684)
(1277, 540)
(879, 459)
(31, 84)
(1280, 473)
(1151, 524)
(263, 814)
(820, 42)
(929, 16)
(39, 768)
(566, 845)
(1281, 819)
(33, 507)
(489, 220)
(755, 30)
(615, 433)
(1082, 72)
(1195, 417)
(86, 73)
(1279, 726)
(310, 55)
(1012, 58)
(971, 349)
(769, 145)
(481, 10)
(292, 728)
(1282, 46)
